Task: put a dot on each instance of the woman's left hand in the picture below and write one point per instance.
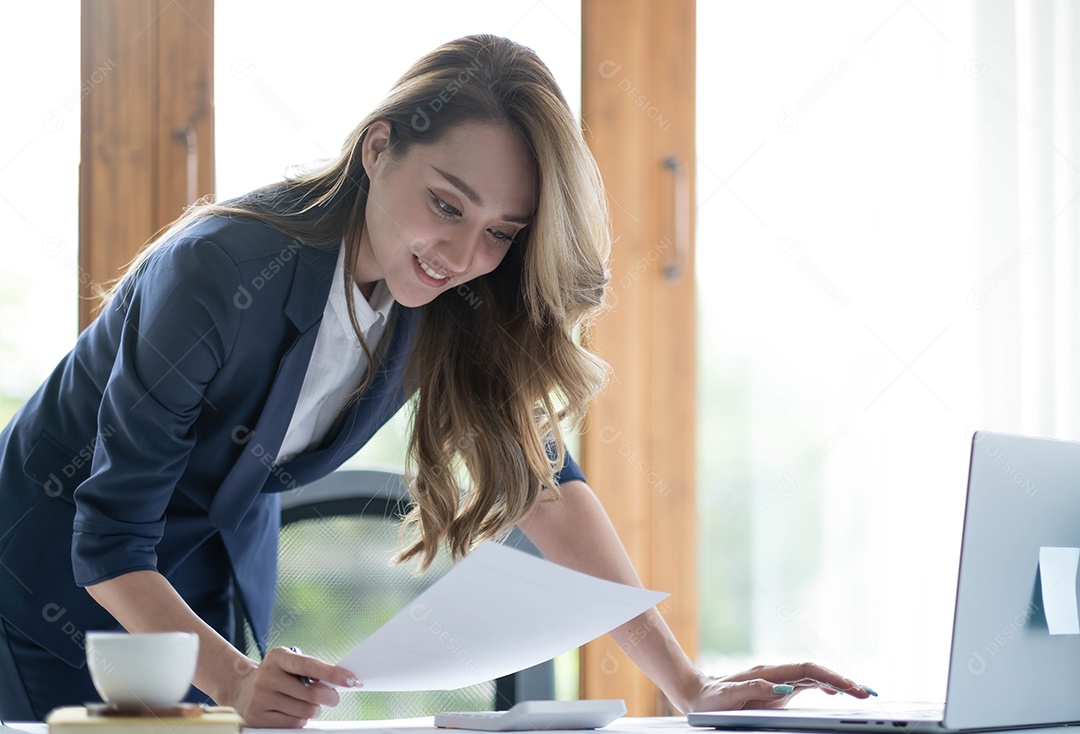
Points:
(753, 688)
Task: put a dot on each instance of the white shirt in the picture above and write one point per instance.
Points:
(337, 362)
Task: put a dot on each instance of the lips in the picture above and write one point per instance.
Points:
(430, 270)
(424, 274)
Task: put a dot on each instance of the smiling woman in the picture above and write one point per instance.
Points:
(259, 342)
(403, 203)
(450, 233)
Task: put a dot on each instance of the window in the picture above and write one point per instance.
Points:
(39, 195)
(852, 302)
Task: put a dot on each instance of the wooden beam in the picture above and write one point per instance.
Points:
(147, 69)
(638, 450)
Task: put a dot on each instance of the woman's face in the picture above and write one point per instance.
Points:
(445, 213)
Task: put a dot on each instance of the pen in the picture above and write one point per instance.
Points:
(303, 678)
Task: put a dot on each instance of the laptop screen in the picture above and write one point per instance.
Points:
(1006, 667)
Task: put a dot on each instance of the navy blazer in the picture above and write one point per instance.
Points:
(160, 428)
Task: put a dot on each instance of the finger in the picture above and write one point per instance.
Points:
(315, 669)
(777, 673)
(268, 702)
(804, 683)
(760, 693)
(291, 685)
(292, 708)
(822, 676)
(860, 691)
(856, 690)
(764, 694)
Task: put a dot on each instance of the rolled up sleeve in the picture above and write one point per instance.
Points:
(176, 323)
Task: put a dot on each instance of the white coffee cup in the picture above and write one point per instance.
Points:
(147, 669)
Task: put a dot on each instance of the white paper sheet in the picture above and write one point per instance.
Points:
(1057, 569)
(497, 611)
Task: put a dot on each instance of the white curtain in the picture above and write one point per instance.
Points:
(889, 195)
(1028, 64)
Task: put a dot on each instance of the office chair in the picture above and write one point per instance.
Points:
(336, 585)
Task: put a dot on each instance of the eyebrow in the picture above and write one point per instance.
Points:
(475, 198)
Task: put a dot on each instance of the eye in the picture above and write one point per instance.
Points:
(503, 237)
(443, 209)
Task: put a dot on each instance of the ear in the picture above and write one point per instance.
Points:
(375, 146)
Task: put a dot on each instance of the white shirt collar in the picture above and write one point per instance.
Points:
(368, 312)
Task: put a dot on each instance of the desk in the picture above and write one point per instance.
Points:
(426, 725)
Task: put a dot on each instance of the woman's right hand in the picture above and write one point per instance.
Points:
(267, 694)
(271, 693)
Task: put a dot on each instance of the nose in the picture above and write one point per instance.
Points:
(454, 256)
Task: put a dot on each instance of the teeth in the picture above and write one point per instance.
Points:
(427, 269)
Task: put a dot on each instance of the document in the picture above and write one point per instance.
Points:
(497, 611)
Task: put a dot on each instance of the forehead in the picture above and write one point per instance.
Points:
(493, 159)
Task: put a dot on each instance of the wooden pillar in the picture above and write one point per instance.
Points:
(638, 450)
(147, 128)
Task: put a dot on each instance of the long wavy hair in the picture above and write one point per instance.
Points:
(500, 367)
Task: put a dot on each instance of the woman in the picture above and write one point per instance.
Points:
(451, 251)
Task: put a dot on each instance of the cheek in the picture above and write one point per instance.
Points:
(398, 220)
(396, 234)
(418, 226)
(380, 223)
(492, 258)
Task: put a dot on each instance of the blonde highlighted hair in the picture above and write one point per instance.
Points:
(500, 372)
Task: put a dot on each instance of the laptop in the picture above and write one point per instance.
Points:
(1006, 669)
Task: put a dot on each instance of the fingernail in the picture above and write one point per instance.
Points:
(783, 689)
(869, 690)
(352, 682)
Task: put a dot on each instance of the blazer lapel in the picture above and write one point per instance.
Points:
(382, 398)
(304, 308)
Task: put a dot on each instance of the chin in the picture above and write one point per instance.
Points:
(413, 300)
